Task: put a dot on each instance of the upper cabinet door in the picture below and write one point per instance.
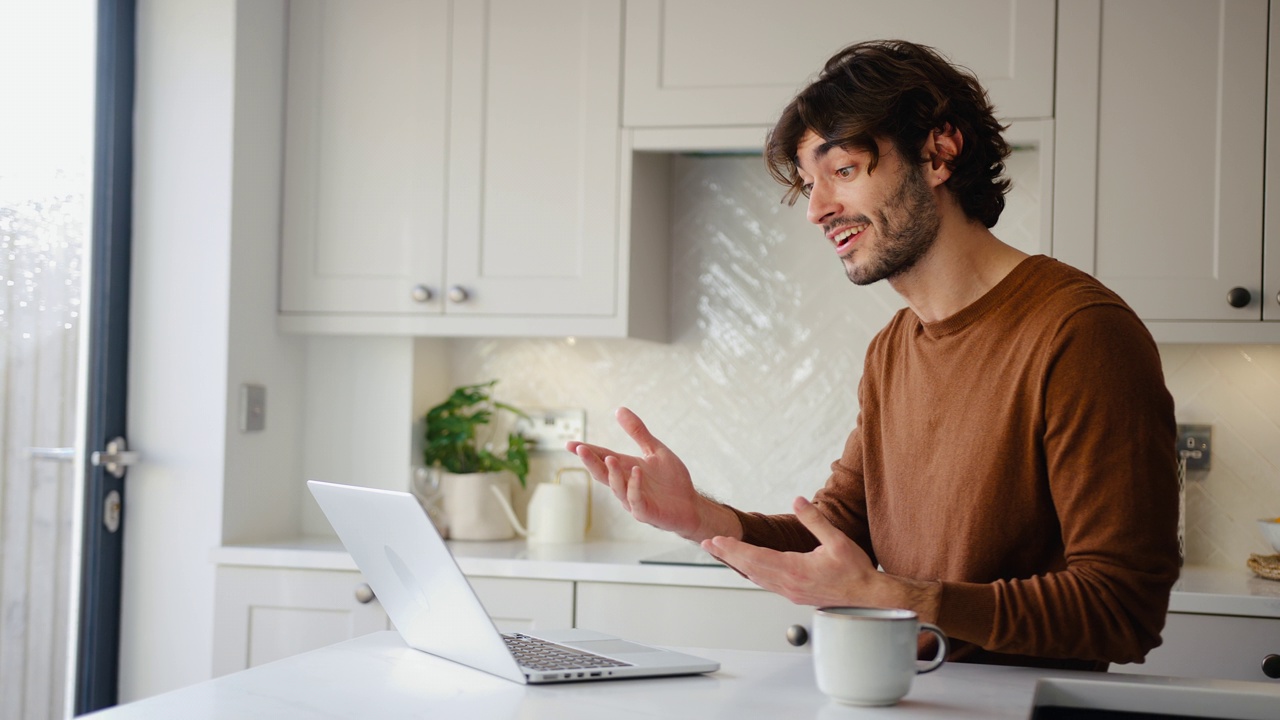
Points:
(1271, 222)
(534, 161)
(739, 62)
(1160, 130)
(365, 149)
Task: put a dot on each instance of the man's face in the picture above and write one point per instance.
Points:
(880, 223)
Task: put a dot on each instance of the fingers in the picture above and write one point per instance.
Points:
(577, 448)
(593, 460)
(633, 426)
(620, 472)
(744, 556)
(617, 478)
(817, 523)
(635, 499)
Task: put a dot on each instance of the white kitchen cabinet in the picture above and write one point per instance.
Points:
(736, 62)
(1226, 647)
(1161, 121)
(1271, 220)
(266, 613)
(452, 168)
(690, 616)
(366, 148)
(525, 605)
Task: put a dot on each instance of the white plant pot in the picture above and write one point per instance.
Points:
(473, 512)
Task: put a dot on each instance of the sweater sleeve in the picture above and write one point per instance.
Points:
(1109, 438)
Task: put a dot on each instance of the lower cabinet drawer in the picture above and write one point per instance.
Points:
(519, 605)
(690, 616)
(1211, 646)
(265, 614)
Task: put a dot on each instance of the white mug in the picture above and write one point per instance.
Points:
(867, 656)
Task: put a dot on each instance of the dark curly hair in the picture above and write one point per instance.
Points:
(900, 91)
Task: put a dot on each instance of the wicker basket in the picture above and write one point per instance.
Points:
(1266, 566)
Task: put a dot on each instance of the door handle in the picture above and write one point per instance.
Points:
(115, 458)
(63, 454)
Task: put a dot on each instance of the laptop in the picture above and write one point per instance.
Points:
(434, 609)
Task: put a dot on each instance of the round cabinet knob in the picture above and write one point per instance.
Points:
(797, 635)
(364, 593)
(1238, 297)
(422, 293)
(458, 294)
(1271, 666)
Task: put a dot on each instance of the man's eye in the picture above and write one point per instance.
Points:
(806, 188)
(845, 172)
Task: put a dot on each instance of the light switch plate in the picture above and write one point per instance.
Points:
(551, 429)
(253, 407)
(1194, 444)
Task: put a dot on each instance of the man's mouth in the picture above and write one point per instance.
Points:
(845, 237)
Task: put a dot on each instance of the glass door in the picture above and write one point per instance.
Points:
(65, 144)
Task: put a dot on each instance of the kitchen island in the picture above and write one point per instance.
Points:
(377, 675)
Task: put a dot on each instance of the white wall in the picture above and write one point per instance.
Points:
(179, 339)
(260, 507)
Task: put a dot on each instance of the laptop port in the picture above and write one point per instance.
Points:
(596, 674)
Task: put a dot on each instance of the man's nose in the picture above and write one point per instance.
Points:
(822, 205)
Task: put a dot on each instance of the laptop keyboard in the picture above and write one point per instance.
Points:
(541, 655)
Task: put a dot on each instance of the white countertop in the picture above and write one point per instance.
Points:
(1212, 591)
(377, 675)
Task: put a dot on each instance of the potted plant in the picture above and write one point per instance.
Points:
(457, 444)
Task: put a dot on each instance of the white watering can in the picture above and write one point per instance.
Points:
(557, 513)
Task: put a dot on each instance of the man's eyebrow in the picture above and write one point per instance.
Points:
(818, 152)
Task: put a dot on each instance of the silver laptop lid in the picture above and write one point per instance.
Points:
(414, 576)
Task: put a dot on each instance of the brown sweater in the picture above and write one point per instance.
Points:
(1021, 452)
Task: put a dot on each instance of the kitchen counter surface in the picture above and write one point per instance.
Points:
(1211, 591)
(378, 675)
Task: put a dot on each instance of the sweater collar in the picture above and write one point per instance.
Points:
(994, 298)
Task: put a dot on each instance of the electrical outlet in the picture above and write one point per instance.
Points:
(551, 429)
(1194, 443)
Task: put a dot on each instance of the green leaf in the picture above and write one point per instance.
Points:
(449, 440)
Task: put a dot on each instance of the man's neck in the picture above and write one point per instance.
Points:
(965, 262)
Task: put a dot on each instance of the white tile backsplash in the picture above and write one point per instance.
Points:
(1236, 389)
(757, 388)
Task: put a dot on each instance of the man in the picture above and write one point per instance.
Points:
(1012, 472)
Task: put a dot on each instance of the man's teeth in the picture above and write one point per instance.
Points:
(848, 233)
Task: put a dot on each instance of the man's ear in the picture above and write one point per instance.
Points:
(941, 148)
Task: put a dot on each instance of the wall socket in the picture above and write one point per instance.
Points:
(551, 429)
(1194, 444)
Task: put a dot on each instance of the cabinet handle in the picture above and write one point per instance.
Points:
(1238, 297)
(364, 594)
(458, 294)
(422, 293)
(798, 635)
(1271, 666)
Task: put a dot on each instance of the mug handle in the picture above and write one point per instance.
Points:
(943, 647)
